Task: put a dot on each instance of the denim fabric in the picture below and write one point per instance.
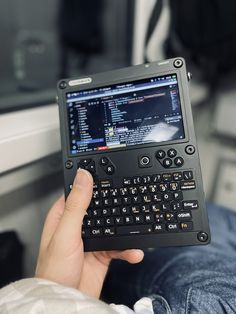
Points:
(196, 279)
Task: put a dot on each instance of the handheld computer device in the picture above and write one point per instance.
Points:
(133, 130)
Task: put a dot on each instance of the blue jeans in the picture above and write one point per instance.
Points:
(196, 279)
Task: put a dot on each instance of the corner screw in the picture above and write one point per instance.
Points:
(178, 63)
(69, 164)
(202, 236)
(62, 85)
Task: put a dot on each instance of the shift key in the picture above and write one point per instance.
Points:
(128, 230)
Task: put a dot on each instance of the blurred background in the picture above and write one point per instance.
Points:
(44, 41)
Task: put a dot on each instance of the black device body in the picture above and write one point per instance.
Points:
(133, 130)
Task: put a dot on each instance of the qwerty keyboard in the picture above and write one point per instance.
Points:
(143, 204)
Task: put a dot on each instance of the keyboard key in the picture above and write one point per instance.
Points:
(178, 196)
(96, 213)
(136, 199)
(133, 191)
(156, 178)
(166, 177)
(124, 191)
(157, 197)
(96, 232)
(109, 221)
(128, 220)
(177, 176)
(149, 218)
(159, 228)
(105, 193)
(188, 185)
(172, 227)
(119, 220)
(189, 205)
(170, 217)
(167, 197)
(97, 203)
(152, 188)
(165, 207)
(188, 175)
(109, 231)
(163, 187)
(156, 207)
(125, 210)
(176, 206)
(145, 208)
(89, 223)
(95, 194)
(117, 201)
(137, 180)
(106, 212)
(184, 216)
(143, 189)
(106, 184)
(114, 192)
(136, 229)
(107, 202)
(186, 226)
(159, 218)
(147, 199)
(99, 222)
(147, 179)
(138, 219)
(126, 200)
(115, 211)
(127, 181)
(174, 186)
(135, 209)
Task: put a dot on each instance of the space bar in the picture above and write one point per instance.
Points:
(134, 229)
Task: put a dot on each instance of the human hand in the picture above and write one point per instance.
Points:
(61, 255)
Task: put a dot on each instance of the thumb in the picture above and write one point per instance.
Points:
(75, 207)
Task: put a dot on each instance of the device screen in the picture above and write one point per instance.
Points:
(123, 115)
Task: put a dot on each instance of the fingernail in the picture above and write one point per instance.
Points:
(82, 179)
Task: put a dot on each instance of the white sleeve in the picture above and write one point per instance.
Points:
(35, 295)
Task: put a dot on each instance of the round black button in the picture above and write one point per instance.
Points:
(160, 154)
(190, 149)
(104, 161)
(202, 236)
(69, 164)
(179, 161)
(144, 161)
(167, 163)
(110, 169)
(172, 153)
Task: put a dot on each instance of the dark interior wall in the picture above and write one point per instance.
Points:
(17, 16)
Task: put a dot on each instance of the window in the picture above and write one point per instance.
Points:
(42, 41)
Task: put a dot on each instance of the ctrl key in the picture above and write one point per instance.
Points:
(96, 232)
(172, 227)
